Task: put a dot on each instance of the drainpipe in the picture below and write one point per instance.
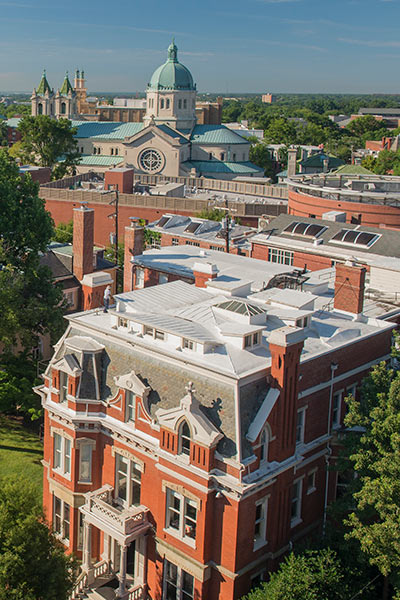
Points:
(238, 429)
(334, 366)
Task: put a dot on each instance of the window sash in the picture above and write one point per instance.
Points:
(181, 515)
(178, 584)
(127, 481)
(130, 406)
(85, 462)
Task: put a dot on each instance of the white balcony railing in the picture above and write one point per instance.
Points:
(101, 504)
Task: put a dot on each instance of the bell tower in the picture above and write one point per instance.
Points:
(42, 99)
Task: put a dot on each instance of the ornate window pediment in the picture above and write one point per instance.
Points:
(201, 429)
(133, 383)
(68, 364)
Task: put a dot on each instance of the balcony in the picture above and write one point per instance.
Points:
(123, 523)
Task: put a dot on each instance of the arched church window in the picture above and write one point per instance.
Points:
(167, 103)
(185, 103)
(179, 103)
(184, 438)
(264, 439)
(40, 108)
(112, 151)
(222, 155)
(116, 151)
(162, 103)
(63, 108)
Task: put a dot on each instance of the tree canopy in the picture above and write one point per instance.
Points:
(375, 456)
(30, 301)
(49, 143)
(314, 575)
(33, 565)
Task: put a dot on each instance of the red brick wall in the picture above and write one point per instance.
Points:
(83, 242)
(119, 180)
(349, 288)
(374, 215)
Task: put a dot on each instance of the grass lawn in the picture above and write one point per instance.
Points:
(20, 453)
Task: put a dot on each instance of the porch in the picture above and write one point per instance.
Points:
(122, 571)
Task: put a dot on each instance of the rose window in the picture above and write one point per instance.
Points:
(151, 160)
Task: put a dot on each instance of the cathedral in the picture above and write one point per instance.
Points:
(168, 141)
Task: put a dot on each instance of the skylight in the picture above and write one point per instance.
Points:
(163, 221)
(241, 308)
(192, 227)
(354, 237)
(306, 229)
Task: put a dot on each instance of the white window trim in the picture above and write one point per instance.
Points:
(262, 540)
(302, 410)
(130, 394)
(296, 520)
(179, 580)
(313, 488)
(139, 467)
(180, 534)
(86, 442)
(60, 535)
(336, 423)
(64, 438)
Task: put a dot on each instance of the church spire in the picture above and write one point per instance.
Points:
(43, 86)
(173, 52)
(66, 86)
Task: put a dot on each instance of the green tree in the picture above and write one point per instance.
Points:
(314, 575)
(63, 233)
(18, 374)
(30, 302)
(261, 156)
(49, 143)
(33, 565)
(375, 456)
(362, 125)
(212, 214)
(281, 131)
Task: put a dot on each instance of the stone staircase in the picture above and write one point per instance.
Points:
(103, 586)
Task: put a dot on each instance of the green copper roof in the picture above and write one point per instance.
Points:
(66, 86)
(217, 166)
(106, 130)
(43, 86)
(216, 134)
(172, 75)
(317, 160)
(352, 170)
(97, 160)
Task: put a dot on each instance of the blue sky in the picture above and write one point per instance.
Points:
(230, 46)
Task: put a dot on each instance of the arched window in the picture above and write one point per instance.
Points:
(116, 151)
(40, 108)
(180, 103)
(264, 439)
(162, 103)
(222, 155)
(112, 151)
(63, 108)
(167, 103)
(185, 103)
(184, 439)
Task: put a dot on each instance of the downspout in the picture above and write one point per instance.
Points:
(238, 428)
(334, 366)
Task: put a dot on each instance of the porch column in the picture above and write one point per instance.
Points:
(106, 548)
(86, 546)
(122, 570)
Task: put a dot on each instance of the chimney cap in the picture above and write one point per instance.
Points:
(287, 336)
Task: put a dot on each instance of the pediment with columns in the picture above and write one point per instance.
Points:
(201, 428)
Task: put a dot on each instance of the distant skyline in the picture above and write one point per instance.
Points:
(304, 46)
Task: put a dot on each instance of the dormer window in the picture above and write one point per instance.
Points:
(122, 322)
(184, 439)
(130, 408)
(63, 386)
(253, 339)
(157, 334)
(188, 344)
(303, 322)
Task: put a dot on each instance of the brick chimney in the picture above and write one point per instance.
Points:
(291, 162)
(349, 288)
(203, 272)
(82, 245)
(285, 345)
(134, 246)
